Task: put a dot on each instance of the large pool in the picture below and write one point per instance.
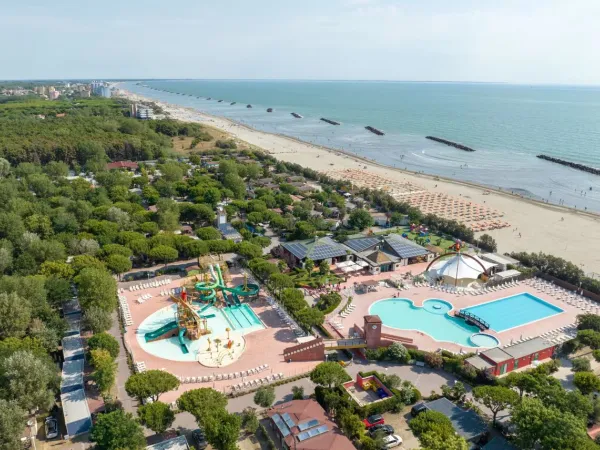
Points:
(514, 311)
(432, 319)
(242, 319)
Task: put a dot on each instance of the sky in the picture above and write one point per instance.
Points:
(514, 41)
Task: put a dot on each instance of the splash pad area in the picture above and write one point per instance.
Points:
(198, 350)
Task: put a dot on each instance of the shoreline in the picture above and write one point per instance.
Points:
(538, 226)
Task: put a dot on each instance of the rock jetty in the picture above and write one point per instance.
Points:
(332, 122)
(570, 164)
(269, 109)
(450, 143)
(248, 106)
(374, 130)
(296, 115)
(232, 103)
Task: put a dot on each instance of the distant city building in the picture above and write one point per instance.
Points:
(53, 95)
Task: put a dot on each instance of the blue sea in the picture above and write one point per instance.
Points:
(507, 125)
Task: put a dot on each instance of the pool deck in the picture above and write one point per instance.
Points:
(262, 346)
(419, 294)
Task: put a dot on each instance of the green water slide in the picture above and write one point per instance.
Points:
(184, 347)
(207, 290)
(153, 335)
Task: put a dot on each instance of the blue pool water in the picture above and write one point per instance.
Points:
(514, 311)
(242, 319)
(432, 319)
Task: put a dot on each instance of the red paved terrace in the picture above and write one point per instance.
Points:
(303, 424)
(122, 165)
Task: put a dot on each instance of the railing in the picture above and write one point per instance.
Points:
(345, 343)
(478, 321)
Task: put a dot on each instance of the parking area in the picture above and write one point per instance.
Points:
(400, 424)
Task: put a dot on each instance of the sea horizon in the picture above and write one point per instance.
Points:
(507, 125)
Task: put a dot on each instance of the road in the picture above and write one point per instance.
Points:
(123, 372)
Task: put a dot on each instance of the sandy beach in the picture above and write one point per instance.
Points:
(515, 223)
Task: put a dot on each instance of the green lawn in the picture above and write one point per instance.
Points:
(435, 239)
(302, 278)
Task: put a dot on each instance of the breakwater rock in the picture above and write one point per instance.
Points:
(374, 130)
(329, 121)
(450, 143)
(573, 165)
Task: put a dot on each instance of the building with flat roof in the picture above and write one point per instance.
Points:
(303, 425)
(178, 443)
(499, 361)
(467, 424)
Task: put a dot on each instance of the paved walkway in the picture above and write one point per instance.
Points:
(123, 372)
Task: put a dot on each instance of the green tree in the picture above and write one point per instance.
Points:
(297, 393)
(4, 168)
(202, 403)
(105, 369)
(324, 267)
(57, 269)
(96, 288)
(118, 264)
(250, 421)
(265, 396)
(523, 381)
(12, 421)
(397, 352)
(496, 398)
(117, 430)
(222, 430)
(97, 319)
(163, 253)
(151, 384)
(328, 374)
(586, 382)
(208, 233)
(157, 416)
(28, 380)
(249, 251)
(15, 315)
(360, 219)
(538, 426)
(280, 281)
(351, 424)
(104, 341)
(309, 265)
(432, 440)
(309, 317)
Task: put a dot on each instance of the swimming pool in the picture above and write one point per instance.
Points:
(432, 319)
(514, 311)
(238, 318)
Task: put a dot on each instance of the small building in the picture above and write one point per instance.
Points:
(499, 361)
(303, 425)
(317, 249)
(387, 253)
(501, 261)
(127, 165)
(210, 165)
(228, 232)
(467, 424)
(380, 219)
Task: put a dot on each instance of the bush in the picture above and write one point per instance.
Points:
(581, 365)
(434, 360)
(596, 354)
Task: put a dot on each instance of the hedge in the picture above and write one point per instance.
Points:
(265, 434)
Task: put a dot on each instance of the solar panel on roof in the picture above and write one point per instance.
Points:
(405, 248)
(312, 433)
(361, 244)
(298, 250)
(281, 426)
(288, 420)
(306, 425)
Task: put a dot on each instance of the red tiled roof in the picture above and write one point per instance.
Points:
(122, 165)
(303, 411)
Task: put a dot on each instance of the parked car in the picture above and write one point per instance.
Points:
(392, 441)
(418, 409)
(51, 427)
(383, 429)
(199, 439)
(371, 421)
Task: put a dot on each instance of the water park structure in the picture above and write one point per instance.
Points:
(190, 322)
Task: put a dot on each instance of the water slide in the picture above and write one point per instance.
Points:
(156, 334)
(184, 347)
(208, 290)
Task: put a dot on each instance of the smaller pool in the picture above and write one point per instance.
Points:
(484, 340)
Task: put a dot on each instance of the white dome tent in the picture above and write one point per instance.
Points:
(459, 270)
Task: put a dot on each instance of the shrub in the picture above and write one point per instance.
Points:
(106, 342)
(434, 360)
(581, 365)
(596, 354)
